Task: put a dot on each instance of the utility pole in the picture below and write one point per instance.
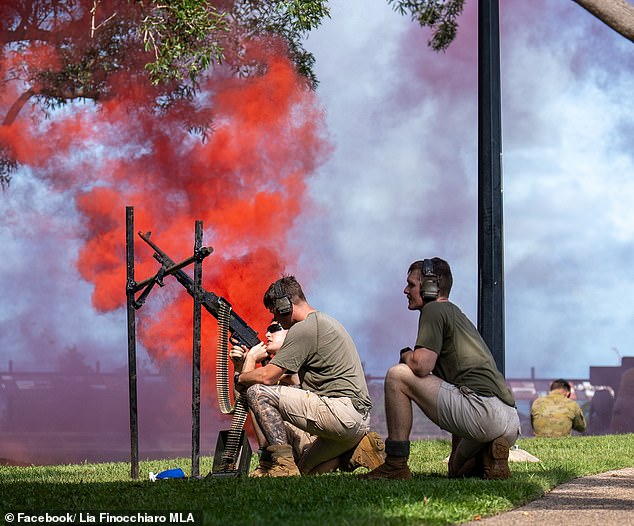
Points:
(490, 210)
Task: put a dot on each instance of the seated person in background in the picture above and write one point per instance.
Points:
(556, 414)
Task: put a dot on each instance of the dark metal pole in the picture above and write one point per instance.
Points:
(198, 276)
(490, 212)
(132, 379)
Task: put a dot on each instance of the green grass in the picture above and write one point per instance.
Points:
(430, 498)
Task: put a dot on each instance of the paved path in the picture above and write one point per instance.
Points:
(606, 499)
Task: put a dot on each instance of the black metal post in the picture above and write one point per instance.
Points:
(490, 211)
(132, 379)
(198, 273)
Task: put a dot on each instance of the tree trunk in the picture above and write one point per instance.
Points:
(618, 14)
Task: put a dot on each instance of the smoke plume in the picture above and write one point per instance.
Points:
(246, 180)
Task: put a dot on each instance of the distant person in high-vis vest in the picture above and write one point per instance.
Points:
(557, 414)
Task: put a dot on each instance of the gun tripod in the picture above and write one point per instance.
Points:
(233, 452)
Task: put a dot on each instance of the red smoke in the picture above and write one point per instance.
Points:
(246, 182)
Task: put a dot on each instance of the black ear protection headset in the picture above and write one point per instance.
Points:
(283, 304)
(429, 290)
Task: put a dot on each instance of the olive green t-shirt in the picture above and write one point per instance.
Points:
(324, 356)
(463, 356)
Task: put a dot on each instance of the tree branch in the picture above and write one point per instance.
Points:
(93, 14)
(16, 107)
(617, 14)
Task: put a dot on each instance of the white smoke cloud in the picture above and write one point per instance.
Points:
(46, 308)
(402, 183)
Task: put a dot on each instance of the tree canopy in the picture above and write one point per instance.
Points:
(441, 16)
(56, 51)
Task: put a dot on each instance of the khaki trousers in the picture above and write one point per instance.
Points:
(318, 427)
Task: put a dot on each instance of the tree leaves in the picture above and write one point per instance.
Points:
(438, 15)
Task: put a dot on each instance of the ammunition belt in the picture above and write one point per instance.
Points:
(239, 409)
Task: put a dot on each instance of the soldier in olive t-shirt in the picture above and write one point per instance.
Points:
(324, 356)
(324, 424)
(463, 357)
(451, 375)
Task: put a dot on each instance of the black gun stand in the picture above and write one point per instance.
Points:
(132, 287)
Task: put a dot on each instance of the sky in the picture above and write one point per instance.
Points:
(393, 180)
(402, 182)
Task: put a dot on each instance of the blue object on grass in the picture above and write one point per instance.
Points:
(176, 473)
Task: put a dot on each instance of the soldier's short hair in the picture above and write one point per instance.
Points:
(560, 383)
(288, 285)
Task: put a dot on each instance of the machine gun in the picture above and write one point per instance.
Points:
(233, 452)
(213, 303)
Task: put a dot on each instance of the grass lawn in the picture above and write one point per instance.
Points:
(333, 499)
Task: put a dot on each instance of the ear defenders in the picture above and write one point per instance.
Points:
(283, 303)
(429, 290)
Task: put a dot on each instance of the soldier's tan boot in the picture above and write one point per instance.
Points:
(495, 460)
(264, 466)
(283, 463)
(265, 463)
(459, 467)
(394, 468)
(368, 453)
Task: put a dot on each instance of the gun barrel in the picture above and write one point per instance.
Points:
(239, 329)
